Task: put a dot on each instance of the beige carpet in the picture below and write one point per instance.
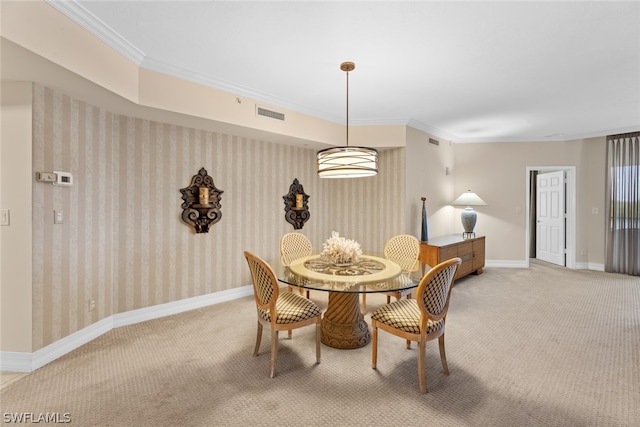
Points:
(544, 346)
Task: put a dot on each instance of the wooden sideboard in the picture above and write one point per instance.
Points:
(470, 250)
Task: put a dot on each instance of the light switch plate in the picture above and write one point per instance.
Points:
(58, 217)
(4, 217)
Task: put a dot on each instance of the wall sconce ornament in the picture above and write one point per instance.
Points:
(295, 205)
(201, 207)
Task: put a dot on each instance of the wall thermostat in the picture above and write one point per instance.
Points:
(63, 178)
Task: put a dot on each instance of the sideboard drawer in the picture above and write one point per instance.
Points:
(465, 251)
(447, 252)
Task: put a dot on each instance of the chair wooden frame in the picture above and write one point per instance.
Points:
(293, 246)
(266, 292)
(434, 290)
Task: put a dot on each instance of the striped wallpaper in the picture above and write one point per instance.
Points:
(122, 242)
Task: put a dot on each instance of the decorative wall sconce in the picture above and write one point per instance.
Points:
(295, 205)
(201, 207)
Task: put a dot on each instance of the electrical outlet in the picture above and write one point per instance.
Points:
(58, 217)
(583, 252)
(92, 304)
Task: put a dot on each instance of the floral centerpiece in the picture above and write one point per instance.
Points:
(339, 250)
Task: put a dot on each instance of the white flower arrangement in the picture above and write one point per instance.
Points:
(339, 250)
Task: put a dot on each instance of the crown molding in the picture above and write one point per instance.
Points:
(556, 137)
(224, 85)
(439, 133)
(87, 20)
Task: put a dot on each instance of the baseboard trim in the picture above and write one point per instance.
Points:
(11, 361)
(590, 266)
(525, 264)
(506, 263)
(175, 307)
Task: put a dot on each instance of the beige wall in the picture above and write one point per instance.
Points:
(427, 177)
(40, 28)
(122, 242)
(497, 172)
(595, 151)
(15, 239)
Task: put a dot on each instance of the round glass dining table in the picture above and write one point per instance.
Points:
(343, 325)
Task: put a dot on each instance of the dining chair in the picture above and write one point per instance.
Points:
(294, 246)
(279, 311)
(404, 250)
(421, 319)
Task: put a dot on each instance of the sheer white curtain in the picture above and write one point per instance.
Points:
(623, 204)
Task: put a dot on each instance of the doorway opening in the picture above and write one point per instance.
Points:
(570, 213)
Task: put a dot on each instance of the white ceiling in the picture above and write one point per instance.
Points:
(464, 71)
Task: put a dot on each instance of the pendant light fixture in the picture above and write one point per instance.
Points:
(347, 162)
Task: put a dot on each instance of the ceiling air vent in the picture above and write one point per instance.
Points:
(434, 141)
(260, 111)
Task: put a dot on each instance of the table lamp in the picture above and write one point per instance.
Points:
(468, 216)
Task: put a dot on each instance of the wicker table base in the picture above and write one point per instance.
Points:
(343, 325)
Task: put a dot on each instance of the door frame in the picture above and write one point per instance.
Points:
(570, 206)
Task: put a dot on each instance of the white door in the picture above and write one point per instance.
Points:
(550, 230)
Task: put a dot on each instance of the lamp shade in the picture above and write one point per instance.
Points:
(347, 162)
(469, 199)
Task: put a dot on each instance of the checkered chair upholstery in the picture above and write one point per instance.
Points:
(405, 316)
(294, 246)
(404, 250)
(290, 308)
(279, 311)
(422, 319)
